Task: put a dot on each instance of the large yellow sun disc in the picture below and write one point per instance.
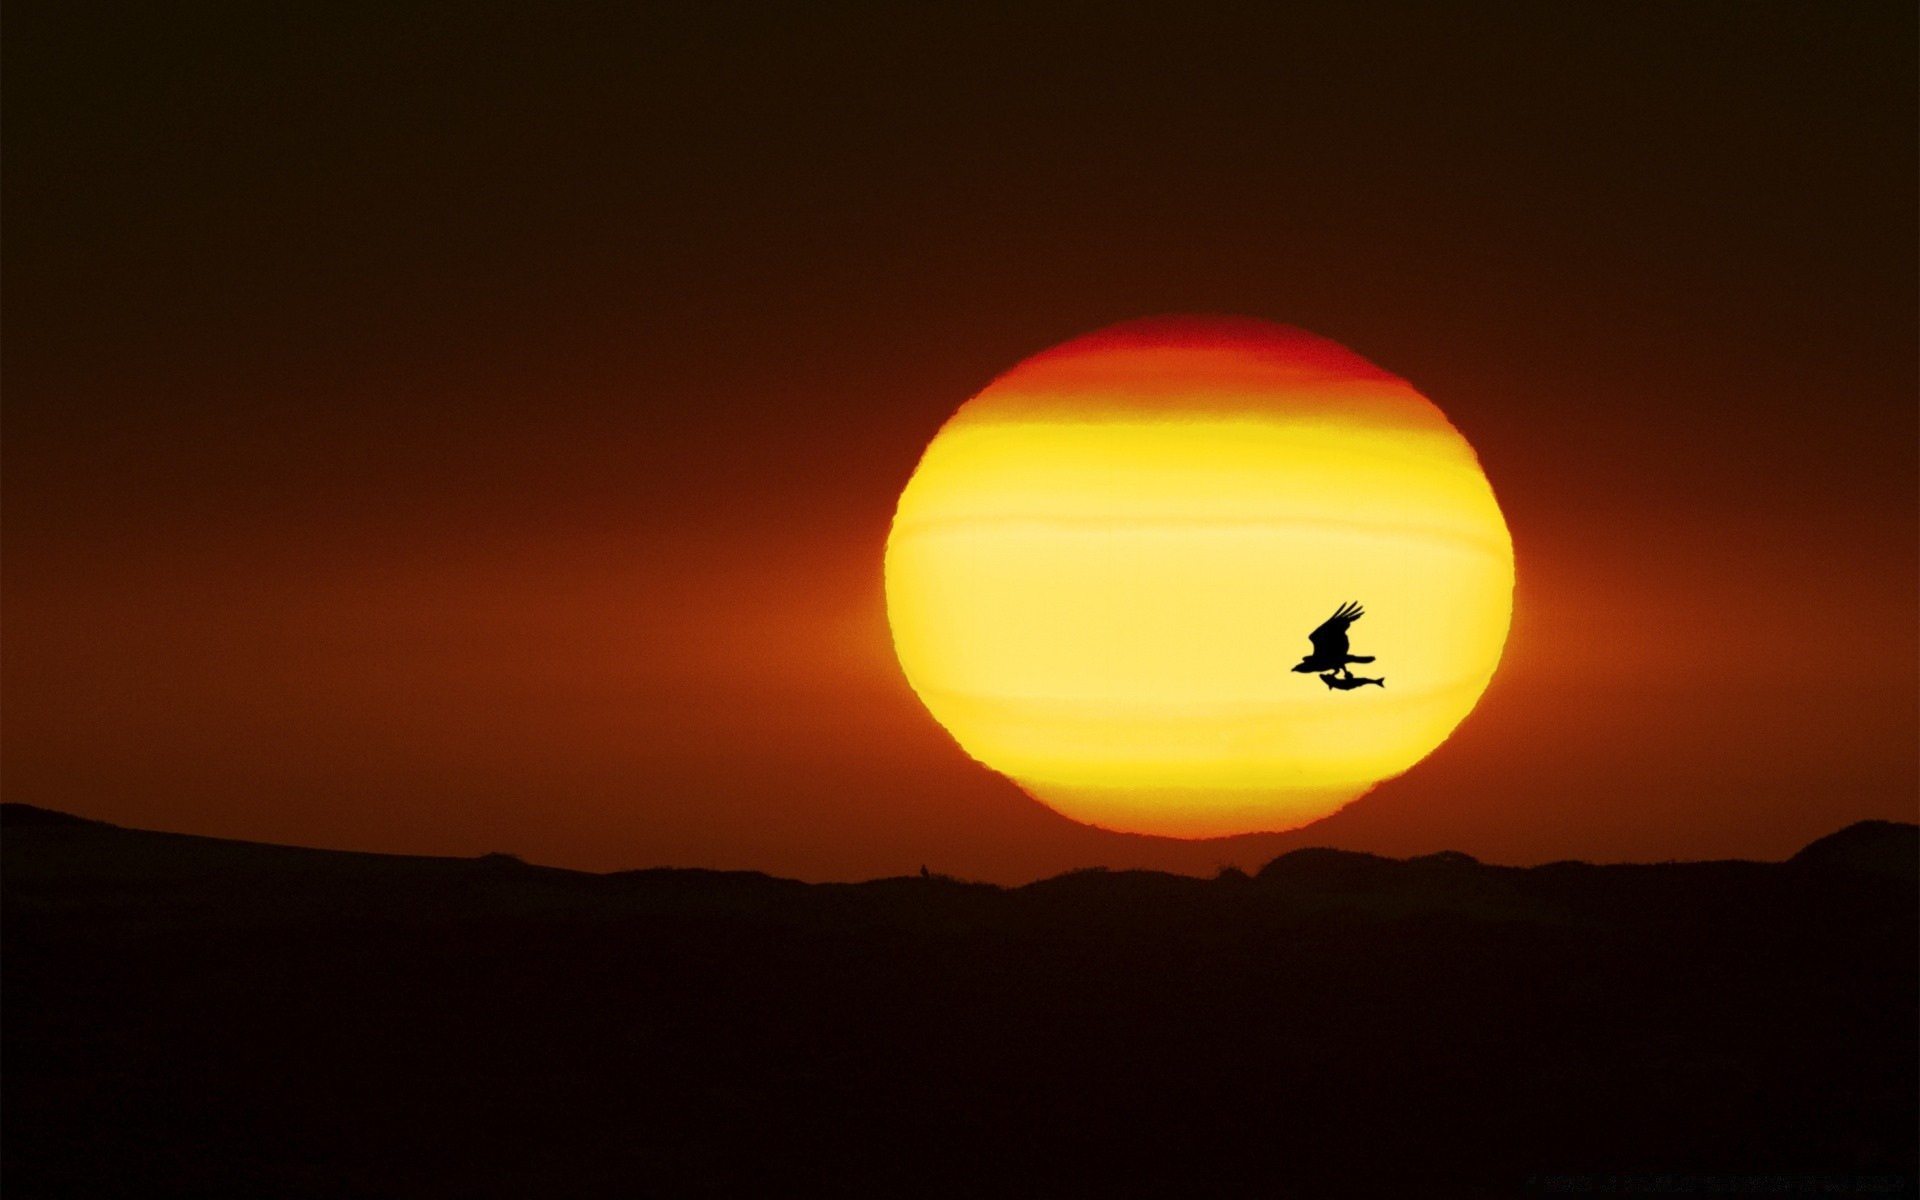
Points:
(1108, 562)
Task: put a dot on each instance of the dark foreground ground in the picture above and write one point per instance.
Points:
(191, 1017)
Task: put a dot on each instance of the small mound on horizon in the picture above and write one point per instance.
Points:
(1324, 864)
(1875, 847)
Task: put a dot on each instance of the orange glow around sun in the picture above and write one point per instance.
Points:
(1107, 564)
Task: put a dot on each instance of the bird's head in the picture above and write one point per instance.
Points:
(1304, 668)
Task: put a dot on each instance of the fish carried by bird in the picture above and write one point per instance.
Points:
(1332, 655)
(1349, 681)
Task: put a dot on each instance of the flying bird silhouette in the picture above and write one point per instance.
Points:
(1330, 651)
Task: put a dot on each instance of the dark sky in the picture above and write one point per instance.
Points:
(457, 428)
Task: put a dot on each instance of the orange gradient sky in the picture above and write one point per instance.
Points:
(446, 439)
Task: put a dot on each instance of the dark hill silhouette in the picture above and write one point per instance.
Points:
(192, 1016)
(27, 815)
(1880, 847)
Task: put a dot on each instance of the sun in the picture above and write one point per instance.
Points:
(1107, 564)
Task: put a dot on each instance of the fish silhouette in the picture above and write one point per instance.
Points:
(1347, 681)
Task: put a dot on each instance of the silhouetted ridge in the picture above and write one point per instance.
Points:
(190, 1016)
(1450, 883)
(1323, 864)
(1877, 847)
(1101, 879)
(27, 815)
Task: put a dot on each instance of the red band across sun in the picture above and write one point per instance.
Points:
(1182, 368)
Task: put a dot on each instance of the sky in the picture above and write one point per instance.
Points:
(461, 428)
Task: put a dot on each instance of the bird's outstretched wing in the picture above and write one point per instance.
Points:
(1330, 640)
